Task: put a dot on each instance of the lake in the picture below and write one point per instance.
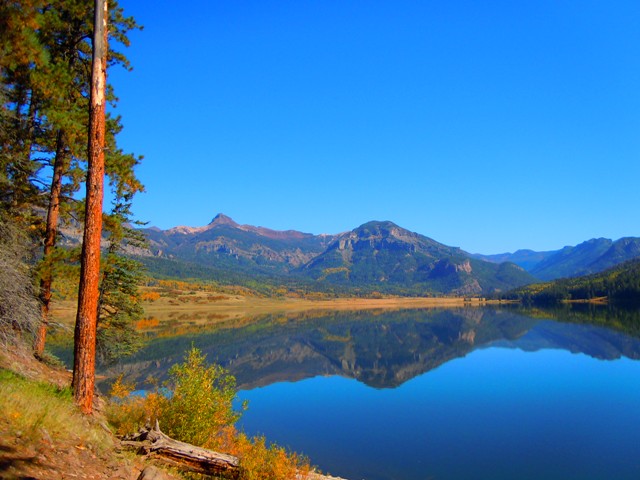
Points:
(478, 393)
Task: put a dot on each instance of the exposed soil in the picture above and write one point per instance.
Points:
(53, 459)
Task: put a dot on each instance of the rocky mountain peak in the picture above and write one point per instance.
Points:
(222, 219)
(376, 228)
(377, 254)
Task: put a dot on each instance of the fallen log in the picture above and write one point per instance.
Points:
(157, 445)
(152, 442)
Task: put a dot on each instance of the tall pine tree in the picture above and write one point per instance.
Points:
(86, 318)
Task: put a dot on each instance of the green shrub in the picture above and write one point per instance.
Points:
(201, 402)
(197, 408)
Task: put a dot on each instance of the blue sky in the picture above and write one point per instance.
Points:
(491, 126)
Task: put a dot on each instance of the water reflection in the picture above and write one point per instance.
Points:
(385, 349)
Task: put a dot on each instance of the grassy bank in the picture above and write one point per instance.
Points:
(43, 434)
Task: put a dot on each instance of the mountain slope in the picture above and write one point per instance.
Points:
(377, 256)
(384, 254)
(526, 259)
(592, 256)
(225, 244)
(620, 283)
(621, 250)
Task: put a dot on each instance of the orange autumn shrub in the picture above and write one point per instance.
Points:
(150, 296)
(199, 410)
(147, 323)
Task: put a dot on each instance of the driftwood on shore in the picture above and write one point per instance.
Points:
(157, 445)
(152, 442)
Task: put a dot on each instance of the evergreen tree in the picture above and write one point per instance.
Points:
(46, 59)
(49, 99)
(120, 305)
(84, 345)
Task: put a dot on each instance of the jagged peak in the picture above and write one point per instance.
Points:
(219, 219)
(222, 219)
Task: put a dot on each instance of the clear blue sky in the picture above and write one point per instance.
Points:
(491, 126)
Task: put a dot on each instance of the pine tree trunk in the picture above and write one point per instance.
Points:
(86, 319)
(53, 212)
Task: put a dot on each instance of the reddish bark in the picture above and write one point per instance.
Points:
(87, 315)
(53, 212)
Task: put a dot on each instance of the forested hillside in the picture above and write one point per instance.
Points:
(592, 256)
(388, 256)
(620, 284)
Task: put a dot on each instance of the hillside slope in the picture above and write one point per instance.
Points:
(619, 284)
(386, 255)
(527, 259)
(592, 256)
(225, 244)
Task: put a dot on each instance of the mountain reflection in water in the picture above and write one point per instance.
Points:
(382, 349)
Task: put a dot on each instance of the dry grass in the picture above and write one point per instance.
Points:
(172, 316)
(207, 307)
(34, 410)
(44, 435)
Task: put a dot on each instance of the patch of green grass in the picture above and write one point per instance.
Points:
(34, 410)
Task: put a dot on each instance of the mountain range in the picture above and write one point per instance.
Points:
(592, 256)
(377, 256)
(223, 241)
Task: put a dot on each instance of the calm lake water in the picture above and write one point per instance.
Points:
(436, 394)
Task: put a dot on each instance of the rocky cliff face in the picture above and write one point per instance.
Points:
(223, 238)
(384, 253)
